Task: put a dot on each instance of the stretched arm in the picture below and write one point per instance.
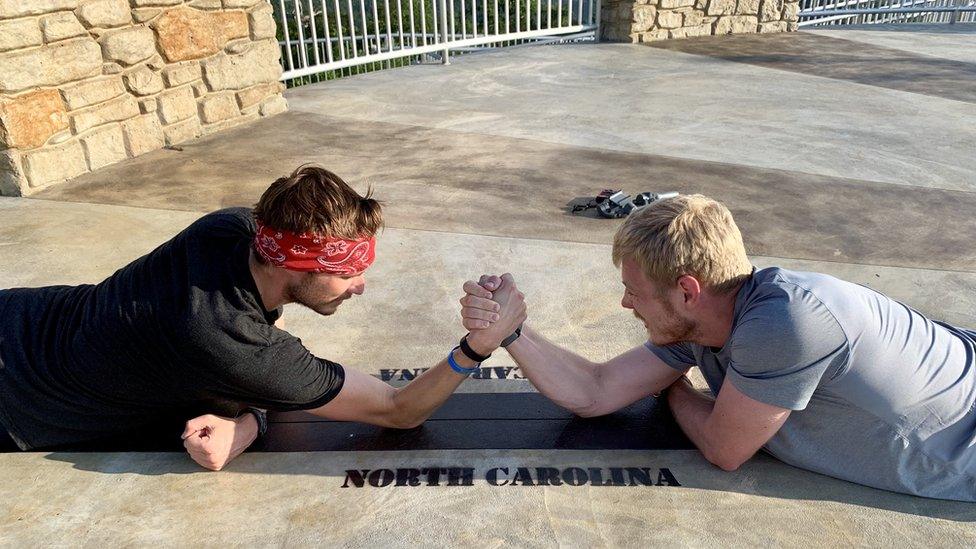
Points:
(728, 430)
(584, 387)
(590, 388)
(369, 400)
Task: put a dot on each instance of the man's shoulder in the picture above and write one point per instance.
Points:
(785, 302)
(234, 219)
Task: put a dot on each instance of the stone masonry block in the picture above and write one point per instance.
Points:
(50, 65)
(111, 68)
(256, 94)
(770, 10)
(747, 7)
(791, 12)
(129, 46)
(141, 15)
(12, 179)
(234, 72)
(671, 4)
(143, 134)
(262, 23)
(644, 17)
(17, 8)
(148, 105)
(121, 108)
(218, 107)
(205, 4)
(231, 4)
(670, 19)
(273, 106)
(772, 26)
(227, 124)
(186, 33)
(177, 105)
(736, 24)
(144, 81)
(182, 73)
(91, 92)
(55, 164)
(105, 13)
(229, 25)
(19, 33)
(693, 18)
(687, 32)
(144, 3)
(182, 131)
(654, 35)
(28, 120)
(61, 26)
(104, 146)
(720, 7)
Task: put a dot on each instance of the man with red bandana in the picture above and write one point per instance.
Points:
(193, 327)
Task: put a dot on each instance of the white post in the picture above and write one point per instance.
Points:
(446, 54)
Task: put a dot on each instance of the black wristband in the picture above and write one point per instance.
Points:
(262, 419)
(515, 335)
(471, 353)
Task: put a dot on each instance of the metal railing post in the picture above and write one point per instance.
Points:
(599, 21)
(954, 15)
(446, 53)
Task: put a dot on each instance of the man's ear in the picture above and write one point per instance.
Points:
(690, 288)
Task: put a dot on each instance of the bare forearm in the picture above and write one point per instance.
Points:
(565, 377)
(415, 402)
(692, 409)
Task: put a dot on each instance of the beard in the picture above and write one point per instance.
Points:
(303, 294)
(670, 328)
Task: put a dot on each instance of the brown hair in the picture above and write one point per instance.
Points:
(315, 200)
(688, 234)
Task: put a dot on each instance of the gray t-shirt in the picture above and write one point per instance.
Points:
(881, 395)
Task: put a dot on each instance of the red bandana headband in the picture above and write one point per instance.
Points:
(313, 253)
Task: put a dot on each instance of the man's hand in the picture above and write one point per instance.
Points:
(213, 441)
(491, 314)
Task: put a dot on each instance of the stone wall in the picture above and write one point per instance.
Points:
(86, 83)
(650, 20)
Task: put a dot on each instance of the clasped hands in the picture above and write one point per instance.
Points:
(491, 310)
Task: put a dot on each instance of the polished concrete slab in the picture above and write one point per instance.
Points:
(298, 499)
(479, 184)
(823, 174)
(957, 42)
(832, 56)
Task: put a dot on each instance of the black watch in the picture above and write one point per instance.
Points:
(262, 417)
(471, 353)
(515, 335)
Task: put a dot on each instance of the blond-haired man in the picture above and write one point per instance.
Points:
(823, 374)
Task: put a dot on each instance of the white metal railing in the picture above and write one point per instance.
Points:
(317, 36)
(847, 12)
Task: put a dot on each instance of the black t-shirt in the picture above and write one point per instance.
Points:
(175, 331)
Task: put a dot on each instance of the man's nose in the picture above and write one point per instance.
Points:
(358, 285)
(625, 302)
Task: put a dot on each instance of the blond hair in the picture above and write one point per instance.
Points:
(686, 235)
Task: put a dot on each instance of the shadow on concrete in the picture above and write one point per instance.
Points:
(839, 59)
(477, 184)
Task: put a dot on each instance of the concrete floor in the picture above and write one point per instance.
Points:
(872, 181)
